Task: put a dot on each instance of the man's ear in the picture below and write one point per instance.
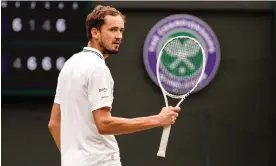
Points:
(95, 33)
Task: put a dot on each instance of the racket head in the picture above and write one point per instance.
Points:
(180, 66)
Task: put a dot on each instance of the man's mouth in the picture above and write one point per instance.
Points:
(116, 43)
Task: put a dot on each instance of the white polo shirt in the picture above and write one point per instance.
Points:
(85, 84)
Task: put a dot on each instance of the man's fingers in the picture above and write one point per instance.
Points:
(174, 114)
(173, 120)
(176, 109)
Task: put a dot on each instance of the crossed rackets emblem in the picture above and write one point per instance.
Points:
(182, 54)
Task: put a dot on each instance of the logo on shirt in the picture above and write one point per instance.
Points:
(105, 99)
(103, 90)
(182, 25)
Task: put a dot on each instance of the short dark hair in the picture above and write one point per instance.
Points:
(96, 18)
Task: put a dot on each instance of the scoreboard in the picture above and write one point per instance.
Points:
(37, 38)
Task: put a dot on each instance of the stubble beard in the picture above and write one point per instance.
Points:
(106, 50)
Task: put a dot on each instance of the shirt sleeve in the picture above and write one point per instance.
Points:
(100, 88)
(57, 95)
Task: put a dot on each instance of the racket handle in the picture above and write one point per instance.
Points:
(164, 141)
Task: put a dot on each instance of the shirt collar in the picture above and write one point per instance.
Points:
(93, 50)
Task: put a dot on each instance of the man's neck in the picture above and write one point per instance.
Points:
(96, 46)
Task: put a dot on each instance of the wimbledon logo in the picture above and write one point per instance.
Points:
(185, 69)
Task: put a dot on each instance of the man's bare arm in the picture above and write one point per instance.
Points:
(107, 124)
(54, 124)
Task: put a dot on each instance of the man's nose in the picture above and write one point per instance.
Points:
(119, 35)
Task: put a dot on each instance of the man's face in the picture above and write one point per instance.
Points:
(111, 34)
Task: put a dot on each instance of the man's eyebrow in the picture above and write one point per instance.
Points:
(112, 27)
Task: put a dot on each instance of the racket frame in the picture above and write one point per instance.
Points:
(166, 130)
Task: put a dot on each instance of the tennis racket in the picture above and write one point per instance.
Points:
(180, 67)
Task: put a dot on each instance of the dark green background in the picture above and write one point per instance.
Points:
(230, 122)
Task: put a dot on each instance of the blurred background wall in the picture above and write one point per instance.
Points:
(230, 122)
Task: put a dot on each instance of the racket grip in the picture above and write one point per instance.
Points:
(164, 141)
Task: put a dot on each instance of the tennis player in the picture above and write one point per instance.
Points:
(81, 123)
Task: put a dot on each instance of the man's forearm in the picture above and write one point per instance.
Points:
(117, 125)
(55, 132)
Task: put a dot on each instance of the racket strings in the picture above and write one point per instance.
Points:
(178, 70)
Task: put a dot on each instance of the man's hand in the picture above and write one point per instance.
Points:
(168, 115)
